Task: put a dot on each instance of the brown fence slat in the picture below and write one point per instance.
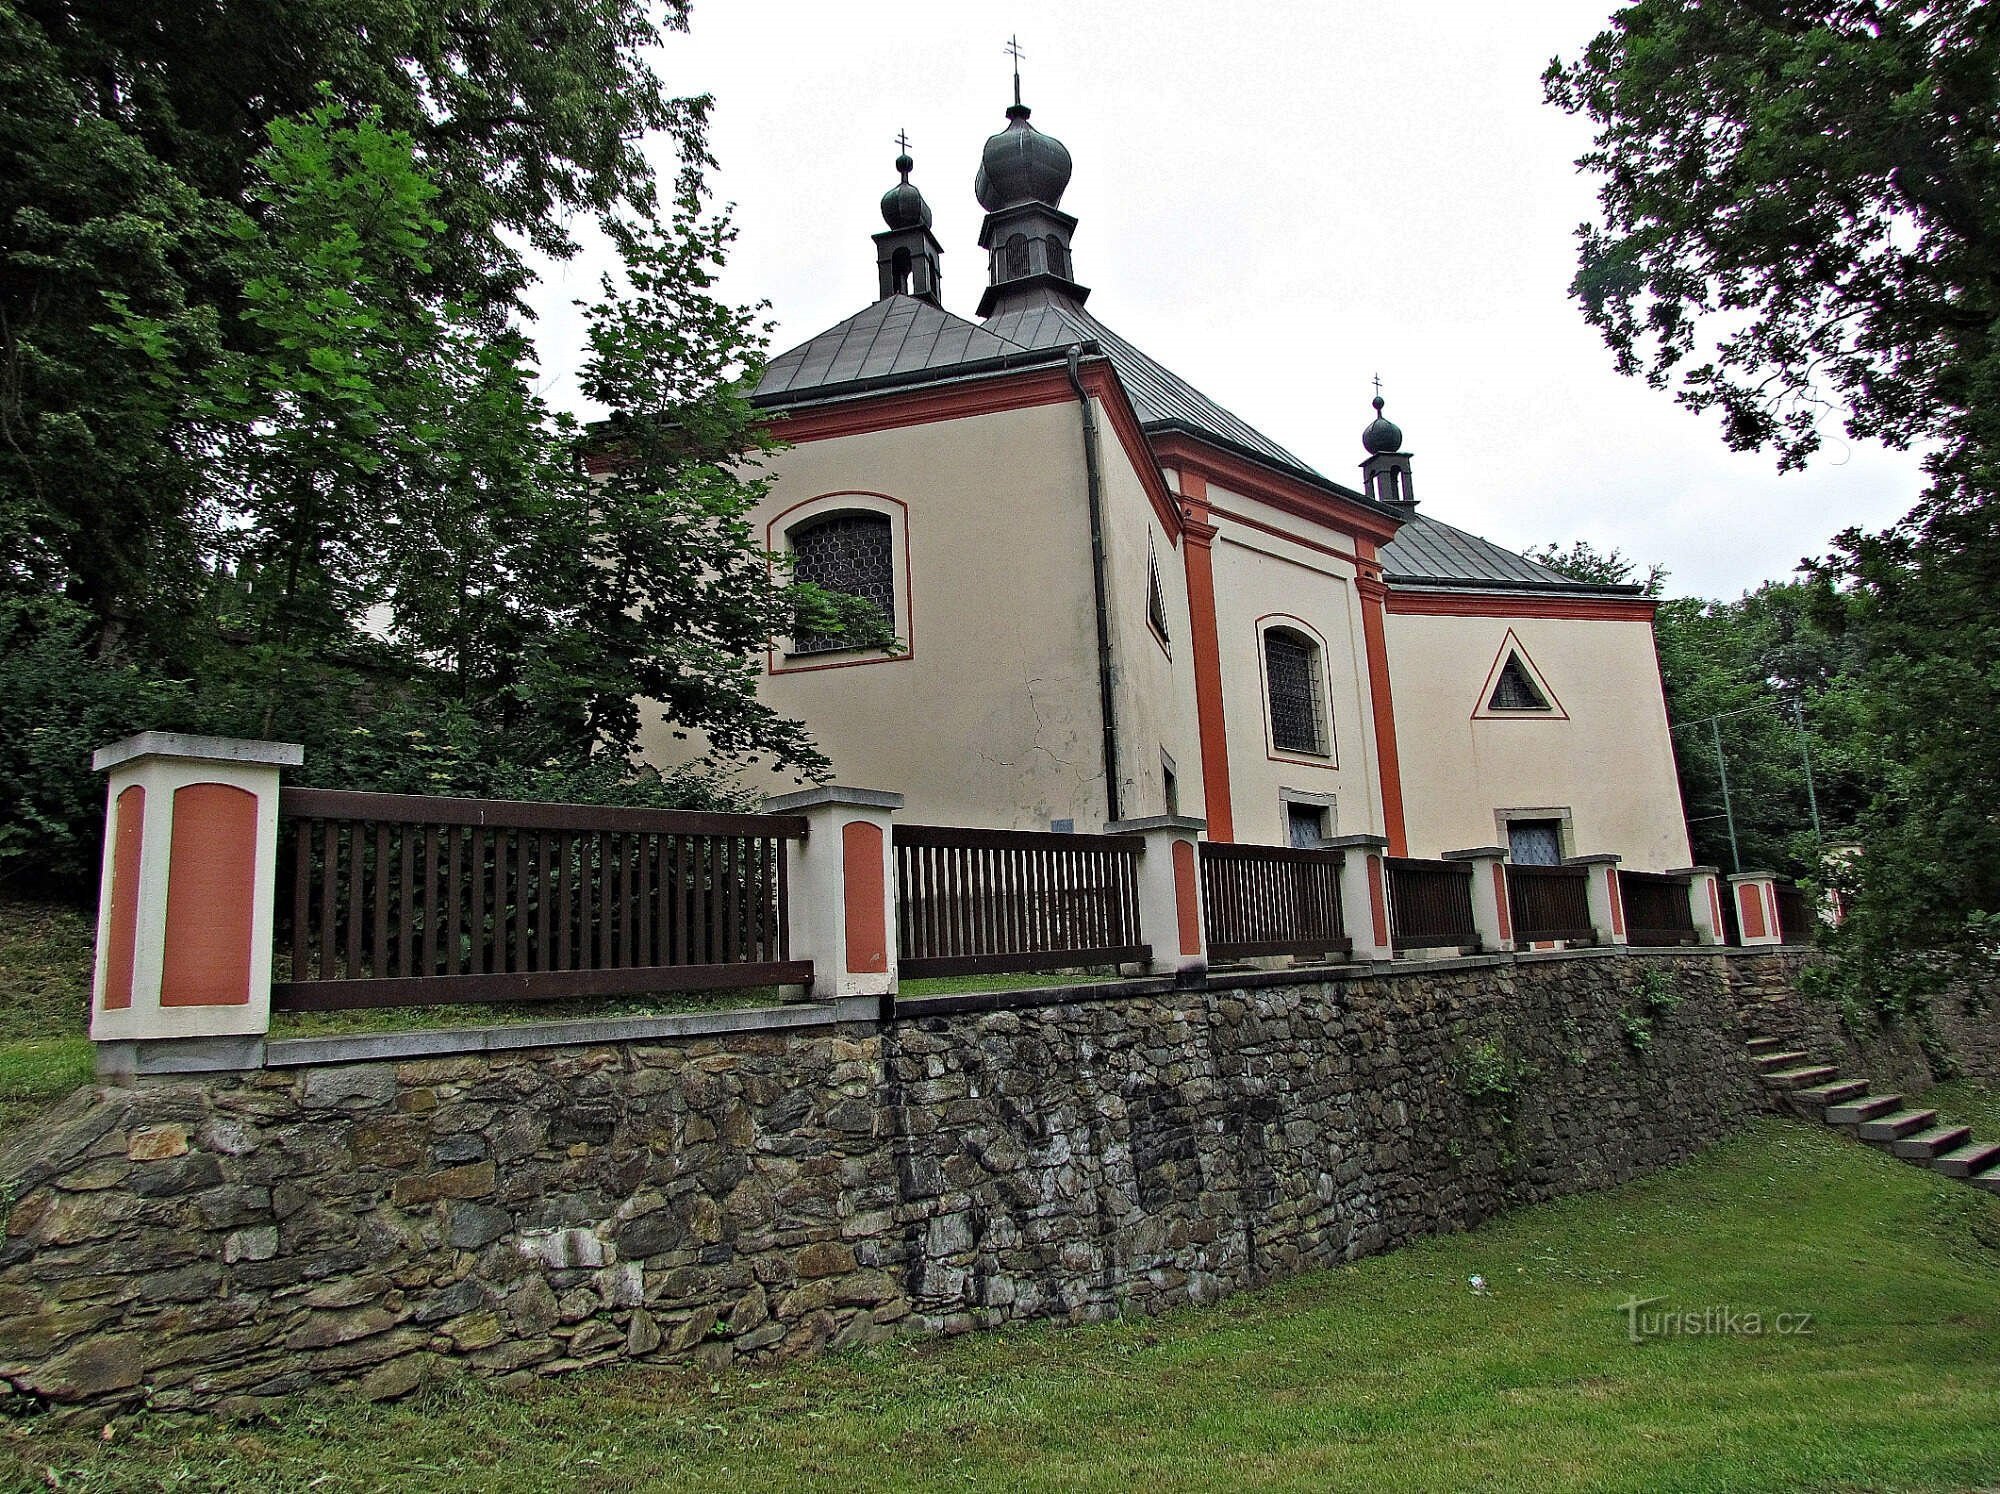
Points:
(1657, 910)
(1550, 902)
(1270, 900)
(1430, 903)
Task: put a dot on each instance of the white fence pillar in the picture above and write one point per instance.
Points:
(1364, 895)
(1756, 894)
(1492, 913)
(1607, 902)
(1704, 902)
(841, 886)
(1171, 916)
(185, 905)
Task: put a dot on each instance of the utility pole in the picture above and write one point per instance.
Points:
(1805, 751)
(1728, 810)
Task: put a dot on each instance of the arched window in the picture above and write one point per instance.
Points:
(850, 552)
(1293, 676)
(1058, 260)
(899, 270)
(1017, 256)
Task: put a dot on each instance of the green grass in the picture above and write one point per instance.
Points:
(1965, 1102)
(45, 963)
(1389, 1374)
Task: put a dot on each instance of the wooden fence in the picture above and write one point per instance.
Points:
(1795, 920)
(1550, 902)
(983, 901)
(1268, 900)
(406, 900)
(1657, 910)
(1430, 903)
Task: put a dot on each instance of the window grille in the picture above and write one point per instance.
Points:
(1516, 691)
(1535, 842)
(1156, 600)
(1017, 256)
(1291, 664)
(850, 553)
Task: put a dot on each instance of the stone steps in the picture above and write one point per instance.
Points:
(1909, 1132)
(1896, 1125)
(1926, 1146)
(1801, 1077)
(1854, 1112)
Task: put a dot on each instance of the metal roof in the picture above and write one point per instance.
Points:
(1159, 395)
(903, 341)
(1433, 553)
(897, 335)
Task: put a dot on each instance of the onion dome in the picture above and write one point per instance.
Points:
(1021, 164)
(903, 206)
(1383, 435)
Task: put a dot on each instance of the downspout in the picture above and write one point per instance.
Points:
(1094, 484)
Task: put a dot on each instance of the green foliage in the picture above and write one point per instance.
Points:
(1801, 223)
(1585, 562)
(1654, 999)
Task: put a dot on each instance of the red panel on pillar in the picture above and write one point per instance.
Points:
(1500, 897)
(1752, 906)
(866, 898)
(211, 896)
(128, 833)
(1185, 904)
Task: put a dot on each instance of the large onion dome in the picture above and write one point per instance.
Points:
(1021, 164)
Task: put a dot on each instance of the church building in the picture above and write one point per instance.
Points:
(1116, 599)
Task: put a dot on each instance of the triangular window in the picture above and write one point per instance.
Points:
(1516, 689)
(1156, 600)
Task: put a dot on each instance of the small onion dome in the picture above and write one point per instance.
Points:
(1383, 435)
(903, 206)
(1021, 164)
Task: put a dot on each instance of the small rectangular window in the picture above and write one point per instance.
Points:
(1171, 784)
(1305, 825)
(1535, 842)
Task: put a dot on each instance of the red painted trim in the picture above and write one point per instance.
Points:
(1331, 757)
(1024, 390)
(211, 896)
(1482, 709)
(864, 898)
(1206, 651)
(1617, 900)
(1377, 904)
(1272, 529)
(1466, 604)
(121, 949)
(771, 528)
(1506, 906)
(1714, 911)
(1383, 704)
(1269, 486)
(1750, 904)
(1186, 906)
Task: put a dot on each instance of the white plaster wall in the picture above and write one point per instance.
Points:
(1259, 574)
(1610, 764)
(993, 717)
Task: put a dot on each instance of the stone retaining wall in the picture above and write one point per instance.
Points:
(760, 1194)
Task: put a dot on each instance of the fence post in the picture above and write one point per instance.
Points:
(185, 903)
(1364, 894)
(1607, 902)
(1704, 901)
(1171, 916)
(1756, 894)
(841, 886)
(1492, 912)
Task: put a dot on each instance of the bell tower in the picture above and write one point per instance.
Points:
(907, 252)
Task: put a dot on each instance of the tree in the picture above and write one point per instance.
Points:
(1801, 226)
(129, 153)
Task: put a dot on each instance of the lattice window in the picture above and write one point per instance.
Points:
(1291, 664)
(1516, 691)
(1156, 599)
(851, 553)
(1535, 842)
(1016, 256)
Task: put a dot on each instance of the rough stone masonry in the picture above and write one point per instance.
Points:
(765, 1194)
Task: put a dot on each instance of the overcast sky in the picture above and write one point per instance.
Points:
(1277, 201)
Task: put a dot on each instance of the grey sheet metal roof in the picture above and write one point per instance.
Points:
(1430, 552)
(1159, 395)
(898, 335)
(902, 340)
